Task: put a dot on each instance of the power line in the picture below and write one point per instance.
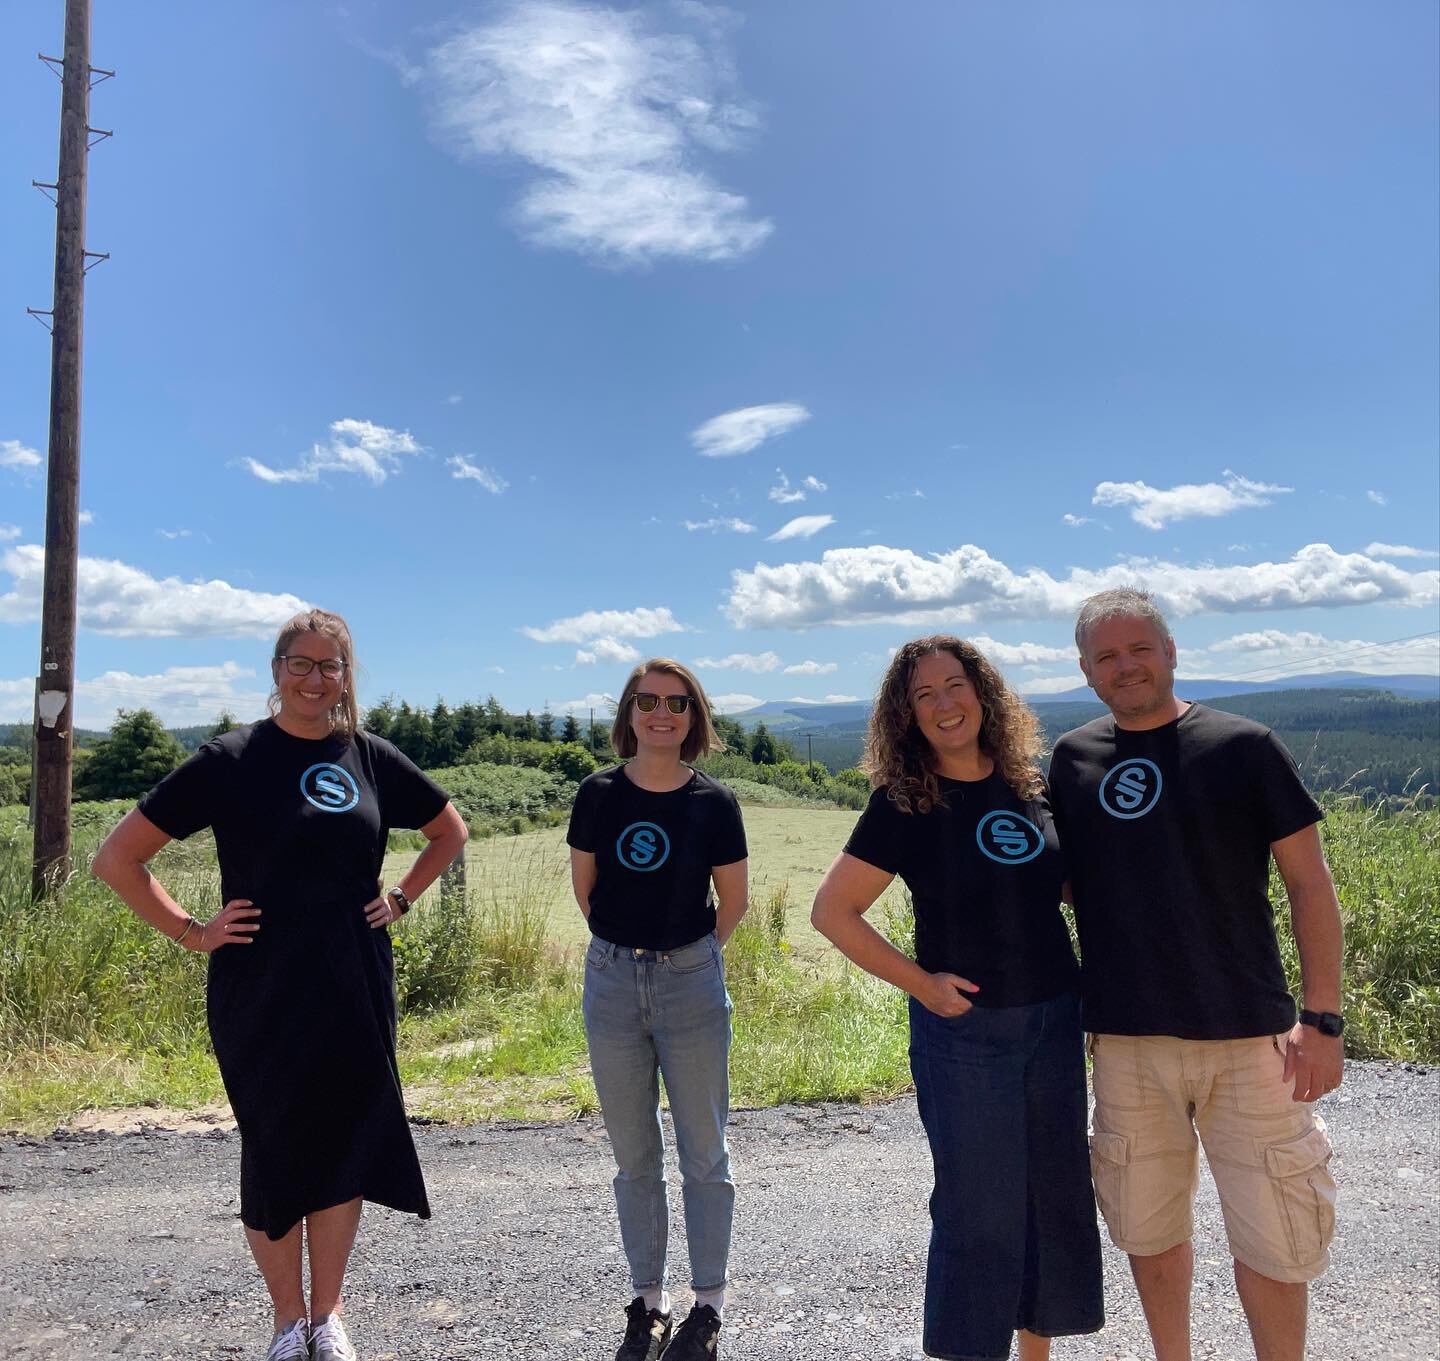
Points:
(1327, 656)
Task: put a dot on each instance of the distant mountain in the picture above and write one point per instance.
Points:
(1403, 687)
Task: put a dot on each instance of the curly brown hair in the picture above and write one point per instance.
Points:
(897, 754)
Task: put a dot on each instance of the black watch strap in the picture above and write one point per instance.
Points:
(1326, 1022)
(397, 896)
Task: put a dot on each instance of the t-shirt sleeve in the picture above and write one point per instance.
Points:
(190, 797)
(727, 841)
(408, 796)
(1285, 805)
(878, 838)
(581, 833)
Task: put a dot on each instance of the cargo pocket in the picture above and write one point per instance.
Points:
(1109, 1167)
(1305, 1192)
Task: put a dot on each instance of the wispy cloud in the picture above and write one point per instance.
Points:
(860, 585)
(914, 494)
(1276, 649)
(86, 517)
(812, 668)
(454, 399)
(13, 454)
(615, 113)
(9, 533)
(785, 494)
(461, 467)
(746, 428)
(716, 523)
(127, 602)
(801, 527)
(174, 533)
(1021, 654)
(1377, 498)
(357, 447)
(179, 695)
(602, 704)
(758, 663)
(824, 699)
(1399, 550)
(583, 628)
(727, 704)
(1155, 507)
(608, 650)
(1076, 520)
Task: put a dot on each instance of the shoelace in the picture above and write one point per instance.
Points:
(291, 1345)
(331, 1334)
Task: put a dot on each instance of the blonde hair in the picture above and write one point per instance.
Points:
(701, 740)
(345, 716)
(897, 754)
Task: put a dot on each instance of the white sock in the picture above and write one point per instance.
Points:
(714, 1298)
(658, 1298)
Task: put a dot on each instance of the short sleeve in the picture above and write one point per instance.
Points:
(191, 796)
(878, 838)
(727, 843)
(408, 796)
(1285, 805)
(581, 833)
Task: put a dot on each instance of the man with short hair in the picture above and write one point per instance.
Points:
(1169, 813)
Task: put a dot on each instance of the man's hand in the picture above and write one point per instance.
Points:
(944, 994)
(1316, 1062)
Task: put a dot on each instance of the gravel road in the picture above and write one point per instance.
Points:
(129, 1246)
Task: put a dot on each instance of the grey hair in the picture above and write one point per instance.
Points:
(1125, 602)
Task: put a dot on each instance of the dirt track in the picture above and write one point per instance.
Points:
(129, 1246)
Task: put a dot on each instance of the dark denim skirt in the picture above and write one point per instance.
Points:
(1013, 1241)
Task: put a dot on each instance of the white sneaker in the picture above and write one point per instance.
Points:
(293, 1344)
(328, 1341)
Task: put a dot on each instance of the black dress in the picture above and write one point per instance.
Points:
(303, 1019)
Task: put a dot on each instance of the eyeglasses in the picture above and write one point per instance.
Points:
(647, 703)
(332, 668)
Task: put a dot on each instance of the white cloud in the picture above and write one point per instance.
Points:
(812, 668)
(914, 494)
(1377, 497)
(613, 112)
(783, 492)
(13, 454)
(1399, 550)
(1155, 507)
(746, 428)
(716, 523)
(582, 628)
(180, 696)
(454, 399)
(828, 699)
(603, 705)
(127, 602)
(815, 484)
(1021, 654)
(86, 517)
(801, 527)
(755, 662)
(1050, 685)
(1076, 520)
(488, 478)
(9, 533)
(731, 703)
(610, 650)
(859, 585)
(1274, 648)
(174, 533)
(359, 447)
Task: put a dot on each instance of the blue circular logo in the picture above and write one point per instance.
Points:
(643, 847)
(1131, 789)
(330, 788)
(1009, 839)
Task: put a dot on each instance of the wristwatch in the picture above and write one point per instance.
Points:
(1326, 1022)
(402, 903)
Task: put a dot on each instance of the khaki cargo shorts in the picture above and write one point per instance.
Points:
(1268, 1153)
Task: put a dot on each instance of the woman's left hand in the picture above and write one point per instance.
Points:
(381, 911)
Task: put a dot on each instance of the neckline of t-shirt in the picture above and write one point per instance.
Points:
(658, 793)
(295, 737)
(1139, 734)
(969, 784)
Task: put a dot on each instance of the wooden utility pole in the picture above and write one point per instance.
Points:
(55, 693)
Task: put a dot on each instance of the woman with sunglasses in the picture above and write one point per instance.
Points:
(959, 813)
(300, 989)
(647, 839)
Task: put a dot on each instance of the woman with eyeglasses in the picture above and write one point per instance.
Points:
(647, 839)
(958, 812)
(300, 991)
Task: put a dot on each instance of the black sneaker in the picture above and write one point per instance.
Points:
(698, 1338)
(646, 1332)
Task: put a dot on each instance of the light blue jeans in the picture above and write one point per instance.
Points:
(649, 1015)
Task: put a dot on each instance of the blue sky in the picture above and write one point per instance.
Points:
(537, 337)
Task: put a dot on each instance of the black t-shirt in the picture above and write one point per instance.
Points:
(985, 872)
(296, 820)
(653, 856)
(1167, 836)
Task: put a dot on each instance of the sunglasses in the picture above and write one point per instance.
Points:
(331, 668)
(647, 703)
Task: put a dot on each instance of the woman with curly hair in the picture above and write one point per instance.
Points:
(958, 811)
